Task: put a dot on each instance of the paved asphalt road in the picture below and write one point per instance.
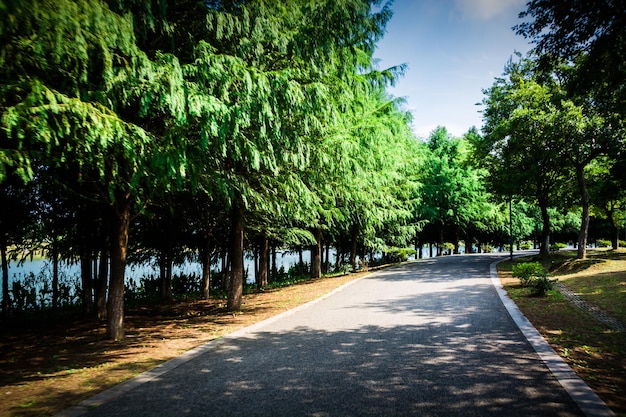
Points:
(429, 338)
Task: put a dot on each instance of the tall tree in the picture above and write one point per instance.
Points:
(519, 146)
(84, 101)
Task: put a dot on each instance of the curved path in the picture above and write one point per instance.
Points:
(429, 338)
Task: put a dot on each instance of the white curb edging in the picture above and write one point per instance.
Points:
(587, 400)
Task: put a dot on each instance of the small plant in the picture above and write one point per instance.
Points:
(447, 248)
(394, 254)
(526, 271)
(525, 246)
(540, 285)
(533, 276)
(557, 246)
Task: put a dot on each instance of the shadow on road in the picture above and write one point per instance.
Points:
(442, 346)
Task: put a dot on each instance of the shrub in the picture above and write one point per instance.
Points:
(557, 246)
(526, 271)
(394, 254)
(525, 246)
(540, 285)
(603, 243)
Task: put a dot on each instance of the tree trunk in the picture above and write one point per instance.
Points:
(353, 249)
(264, 254)
(440, 241)
(165, 269)
(6, 302)
(101, 284)
(205, 253)
(86, 276)
(322, 256)
(235, 290)
(544, 249)
(103, 267)
(274, 268)
(316, 252)
(119, 246)
(584, 226)
(55, 273)
(327, 263)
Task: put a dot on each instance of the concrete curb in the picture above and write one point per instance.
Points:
(587, 400)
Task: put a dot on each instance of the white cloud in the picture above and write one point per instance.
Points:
(485, 10)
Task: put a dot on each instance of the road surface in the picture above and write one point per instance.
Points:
(428, 338)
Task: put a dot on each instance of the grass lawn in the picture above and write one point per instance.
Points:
(594, 351)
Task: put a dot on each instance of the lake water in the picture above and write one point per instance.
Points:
(71, 272)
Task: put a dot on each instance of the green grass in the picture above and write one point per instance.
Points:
(595, 352)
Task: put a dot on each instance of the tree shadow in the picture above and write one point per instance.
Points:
(447, 350)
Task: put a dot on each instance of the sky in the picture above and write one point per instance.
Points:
(454, 49)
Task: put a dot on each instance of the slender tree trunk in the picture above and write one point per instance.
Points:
(420, 251)
(119, 246)
(544, 249)
(165, 268)
(274, 268)
(205, 253)
(584, 226)
(353, 249)
(101, 285)
(55, 273)
(103, 267)
(235, 290)
(86, 275)
(322, 257)
(614, 228)
(264, 253)
(327, 264)
(86, 262)
(6, 302)
(316, 252)
(440, 241)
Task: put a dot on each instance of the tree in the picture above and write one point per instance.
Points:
(591, 34)
(16, 218)
(520, 146)
(454, 199)
(84, 101)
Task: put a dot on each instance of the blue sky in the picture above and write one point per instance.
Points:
(454, 49)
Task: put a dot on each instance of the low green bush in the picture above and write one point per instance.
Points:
(540, 285)
(393, 255)
(526, 271)
(557, 246)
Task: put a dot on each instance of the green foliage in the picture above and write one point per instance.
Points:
(533, 276)
(540, 285)
(557, 246)
(527, 271)
(394, 255)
